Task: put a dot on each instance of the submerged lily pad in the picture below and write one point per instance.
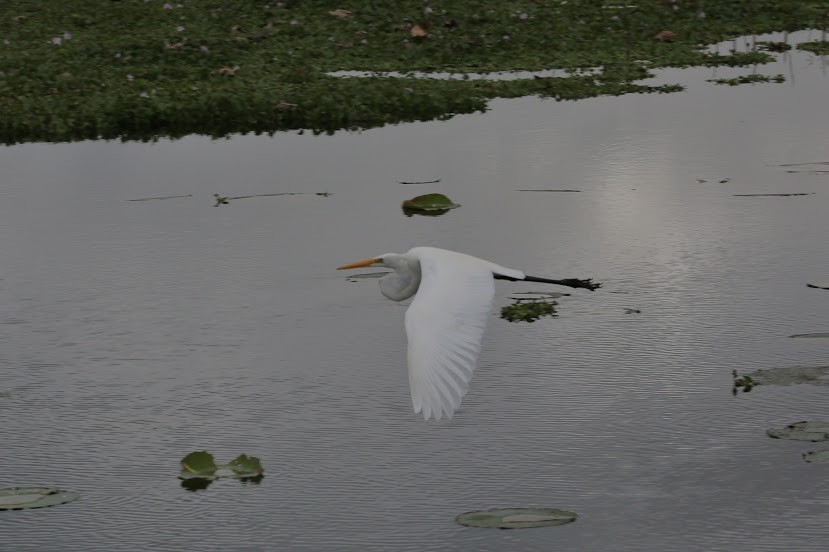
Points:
(528, 311)
(516, 518)
(802, 431)
(21, 498)
(428, 204)
(817, 457)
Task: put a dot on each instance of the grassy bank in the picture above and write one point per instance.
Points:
(136, 69)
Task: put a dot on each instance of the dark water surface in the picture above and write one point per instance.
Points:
(132, 333)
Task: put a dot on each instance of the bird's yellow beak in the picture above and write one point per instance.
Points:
(360, 264)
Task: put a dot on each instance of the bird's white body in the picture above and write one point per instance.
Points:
(445, 322)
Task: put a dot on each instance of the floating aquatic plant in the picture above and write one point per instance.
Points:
(428, 205)
(749, 79)
(802, 431)
(186, 76)
(785, 375)
(22, 498)
(746, 383)
(200, 465)
(817, 457)
(819, 47)
(516, 518)
(528, 310)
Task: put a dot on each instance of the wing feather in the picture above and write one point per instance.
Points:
(445, 326)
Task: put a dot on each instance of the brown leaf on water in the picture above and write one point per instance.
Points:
(665, 36)
(342, 14)
(418, 32)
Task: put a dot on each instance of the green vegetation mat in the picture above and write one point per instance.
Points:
(139, 69)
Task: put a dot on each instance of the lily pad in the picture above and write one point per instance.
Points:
(245, 466)
(516, 518)
(817, 457)
(429, 203)
(199, 464)
(791, 375)
(802, 431)
(21, 498)
(528, 311)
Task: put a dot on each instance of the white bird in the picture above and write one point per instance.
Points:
(446, 320)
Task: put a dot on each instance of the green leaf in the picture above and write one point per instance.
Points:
(429, 202)
(199, 463)
(245, 466)
(516, 518)
(21, 498)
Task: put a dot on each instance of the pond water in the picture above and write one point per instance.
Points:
(132, 333)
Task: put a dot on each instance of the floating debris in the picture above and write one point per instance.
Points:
(366, 276)
(633, 311)
(535, 190)
(818, 286)
(221, 200)
(419, 181)
(161, 197)
(774, 195)
(811, 335)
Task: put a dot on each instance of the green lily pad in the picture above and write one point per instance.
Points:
(428, 203)
(21, 498)
(516, 518)
(528, 311)
(802, 431)
(245, 466)
(817, 457)
(199, 464)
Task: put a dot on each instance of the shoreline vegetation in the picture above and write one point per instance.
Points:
(148, 69)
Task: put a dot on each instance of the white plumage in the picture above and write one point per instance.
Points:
(446, 321)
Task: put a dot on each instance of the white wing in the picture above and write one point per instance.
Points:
(445, 325)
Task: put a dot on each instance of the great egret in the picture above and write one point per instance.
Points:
(445, 323)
